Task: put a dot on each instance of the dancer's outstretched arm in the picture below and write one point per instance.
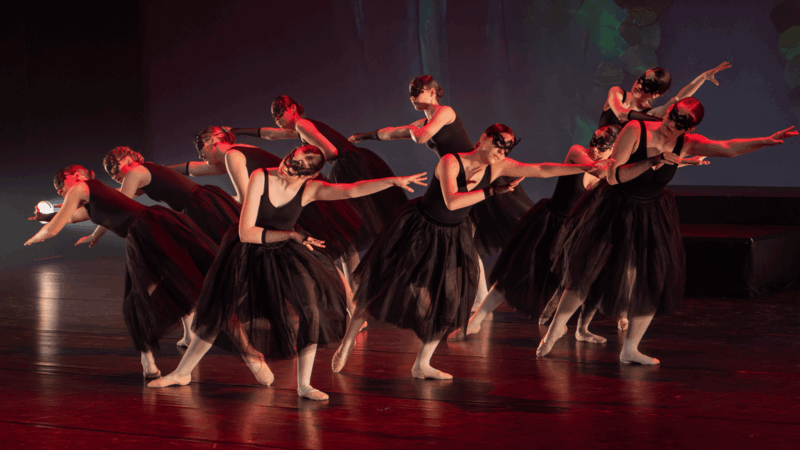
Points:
(691, 88)
(267, 133)
(317, 190)
(196, 169)
(419, 131)
(698, 145)
(512, 168)
(71, 212)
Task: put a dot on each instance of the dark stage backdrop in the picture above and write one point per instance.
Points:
(151, 74)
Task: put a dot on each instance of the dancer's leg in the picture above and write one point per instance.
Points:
(569, 303)
(252, 357)
(630, 348)
(149, 369)
(183, 373)
(188, 334)
(583, 333)
(350, 261)
(482, 288)
(422, 366)
(305, 363)
(492, 300)
(344, 350)
(550, 308)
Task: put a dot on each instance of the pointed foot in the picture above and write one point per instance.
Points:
(170, 380)
(311, 393)
(429, 373)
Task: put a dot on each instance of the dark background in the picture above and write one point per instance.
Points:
(80, 80)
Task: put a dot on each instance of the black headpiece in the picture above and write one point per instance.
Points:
(500, 142)
(682, 122)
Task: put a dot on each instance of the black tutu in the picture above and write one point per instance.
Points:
(496, 217)
(419, 274)
(522, 271)
(165, 249)
(213, 210)
(337, 223)
(357, 164)
(624, 252)
(286, 296)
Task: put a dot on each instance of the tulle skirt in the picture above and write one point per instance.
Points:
(337, 223)
(522, 271)
(167, 257)
(419, 274)
(496, 217)
(624, 252)
(285, 296)
(357, 164)
(213, 210)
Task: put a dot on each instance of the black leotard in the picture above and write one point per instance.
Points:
(569, 189)
(334, 137)
(609, 118)
(256, 158)
(280, 218)
(451, 138)
(432, 203)
(168, 186)
(111, 209)
(650, 183)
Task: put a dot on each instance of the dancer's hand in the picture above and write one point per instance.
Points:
(507, 188)
(710, 74)
(39, 216)
(403, 182)
(356, 138)
(777, 138)
(91, 240)
(304, 238)
(695, 161)
(35, 239)
(598, 168)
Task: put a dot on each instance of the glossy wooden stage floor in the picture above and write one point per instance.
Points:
(71, 379)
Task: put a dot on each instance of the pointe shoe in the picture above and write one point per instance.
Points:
(363, 326)
(312, 394)
(169, 380)
(638, 358)
(545, 347)
(339, 360)
(430, 373)
(622, 323)
(183, 344)
(264, 375)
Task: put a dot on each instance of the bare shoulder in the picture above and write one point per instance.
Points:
(576, 154)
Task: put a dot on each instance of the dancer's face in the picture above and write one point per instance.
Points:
(601, 145)
(646, 86)
(496, 147)
(422, 97)
(285, 117)
(207, 149)
(296, 164)
(67, 183)
(679, 120)
(120, 169)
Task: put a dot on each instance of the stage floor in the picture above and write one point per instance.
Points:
(70, 378)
